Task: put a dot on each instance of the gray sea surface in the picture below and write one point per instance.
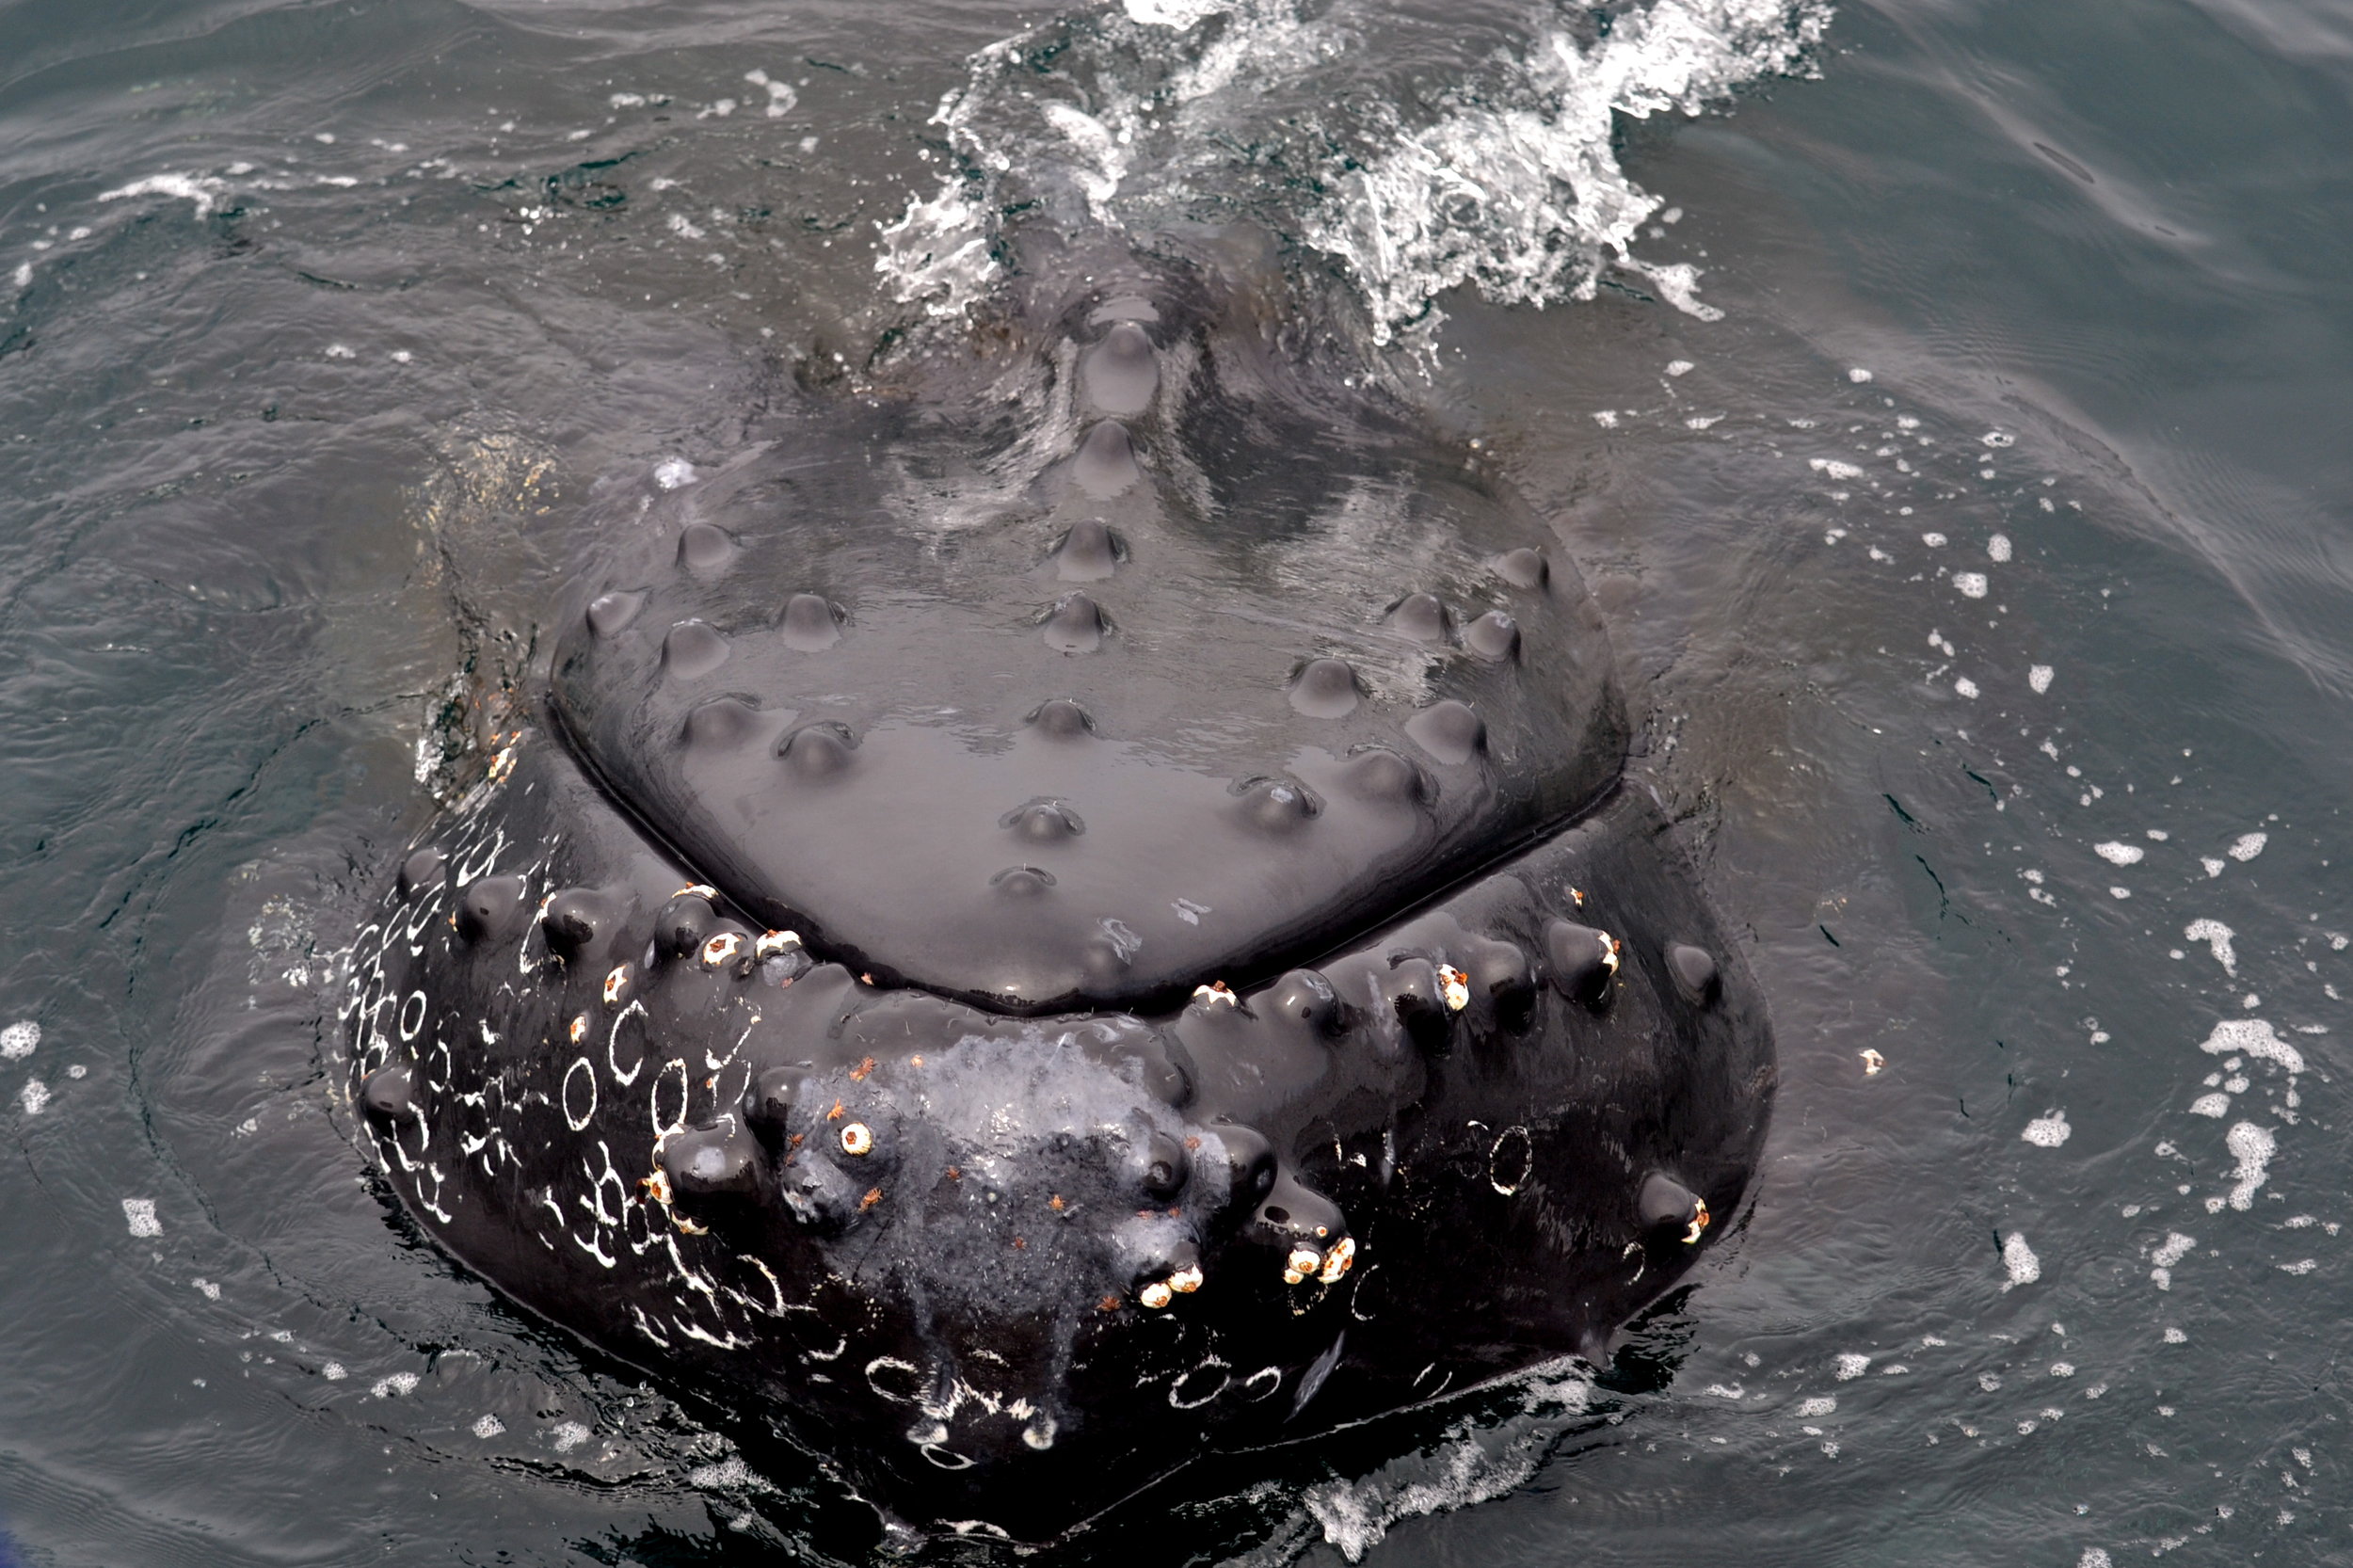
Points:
(1950, 401)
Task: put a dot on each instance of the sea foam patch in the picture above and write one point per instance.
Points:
(2252, 1037)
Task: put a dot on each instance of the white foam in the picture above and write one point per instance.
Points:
(2172, 1249)
(2094, 1557)
(23, 276)
(1971, 584)
(674, 473)
(1521, 194)
(1471, 1464)
(1934, 541)
(2254, 1146)
(2248, 845)
(1834, 468)
(567, 1435)
(938, 253)
(139, 1214)
(202, 189)
(2048, 1130)
(1858, 375)
(1514, 188)
(2217, 1106)
(1850, 1366)
(2218, 939)
(2040, 678)
(2019, 1261)
(334, 1371)
(34, 1097)
(488, 1426)
(1998, 547)
(19, 1040)
(782, 98)
(1820, 1404)
(2121, 855)
(728, 1475)
(1172, 13)
(1965, 686)
(2213, 868)
(395, 1385)
(2256, 1038)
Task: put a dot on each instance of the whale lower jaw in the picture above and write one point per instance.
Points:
(1005, 1271)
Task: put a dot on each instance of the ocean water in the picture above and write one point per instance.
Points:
(1951, 403)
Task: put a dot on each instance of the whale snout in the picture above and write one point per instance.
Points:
(1018, 1230)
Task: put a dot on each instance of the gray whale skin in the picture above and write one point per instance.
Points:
(1039, 930)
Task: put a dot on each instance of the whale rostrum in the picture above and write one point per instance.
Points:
(1024, 952)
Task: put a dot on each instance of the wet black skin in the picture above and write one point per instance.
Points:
(1232, 990)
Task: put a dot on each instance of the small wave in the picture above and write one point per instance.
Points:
(1166, 111)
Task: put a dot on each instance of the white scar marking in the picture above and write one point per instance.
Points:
(589, 1075)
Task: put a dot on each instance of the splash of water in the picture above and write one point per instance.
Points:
(1178, 109)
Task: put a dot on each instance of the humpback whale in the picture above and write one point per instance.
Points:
(1061, 912)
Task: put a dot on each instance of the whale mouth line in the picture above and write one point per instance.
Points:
(1248, 972)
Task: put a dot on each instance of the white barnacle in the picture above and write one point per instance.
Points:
(1156, 1295)
(1186, 1280)
(721, 947)
(1342, 1258)
(617, 986)
(1216, 991)
(1455, 987)
(774, 942)
(856, 1138)
(1303, 1264)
